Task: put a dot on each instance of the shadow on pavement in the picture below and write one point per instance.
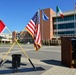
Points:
(10, 62)
(5, 71)
(21, 70)
(10, 70)
(53, 62)
(32, 69)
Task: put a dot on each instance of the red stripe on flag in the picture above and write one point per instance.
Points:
(32, 29)
(37, 47)
(32, 23)
(29, 31)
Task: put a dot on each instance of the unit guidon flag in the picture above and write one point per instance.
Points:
(2, 26)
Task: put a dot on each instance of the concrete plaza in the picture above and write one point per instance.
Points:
(47, 61)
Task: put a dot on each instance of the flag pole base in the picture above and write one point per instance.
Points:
(31, 63)
(1, 62)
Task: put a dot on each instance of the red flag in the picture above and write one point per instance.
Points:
(2, 26)
(33, 27)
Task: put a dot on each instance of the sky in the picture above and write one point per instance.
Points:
(17, 13)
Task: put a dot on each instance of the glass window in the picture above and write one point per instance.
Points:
(66, 18)
(66, 32)
(64, 26)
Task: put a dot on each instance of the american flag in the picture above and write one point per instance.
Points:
(33, 27)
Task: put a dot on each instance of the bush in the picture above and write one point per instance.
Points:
(43, 42)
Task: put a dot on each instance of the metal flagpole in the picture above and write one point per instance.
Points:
(56, 25)
(74, 19)
(42, 26)
(44, 18)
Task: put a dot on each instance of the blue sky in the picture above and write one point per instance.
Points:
(17, 13)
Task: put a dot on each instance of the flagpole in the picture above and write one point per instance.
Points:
(56, 24)
(74, 19)
(42, 28)
(44, 18)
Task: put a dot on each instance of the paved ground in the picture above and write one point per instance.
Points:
(47, 61)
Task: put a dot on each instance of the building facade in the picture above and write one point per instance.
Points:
(22, 37)
(55, 27)
(5, 38)
(46, 26)
(65, 26)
